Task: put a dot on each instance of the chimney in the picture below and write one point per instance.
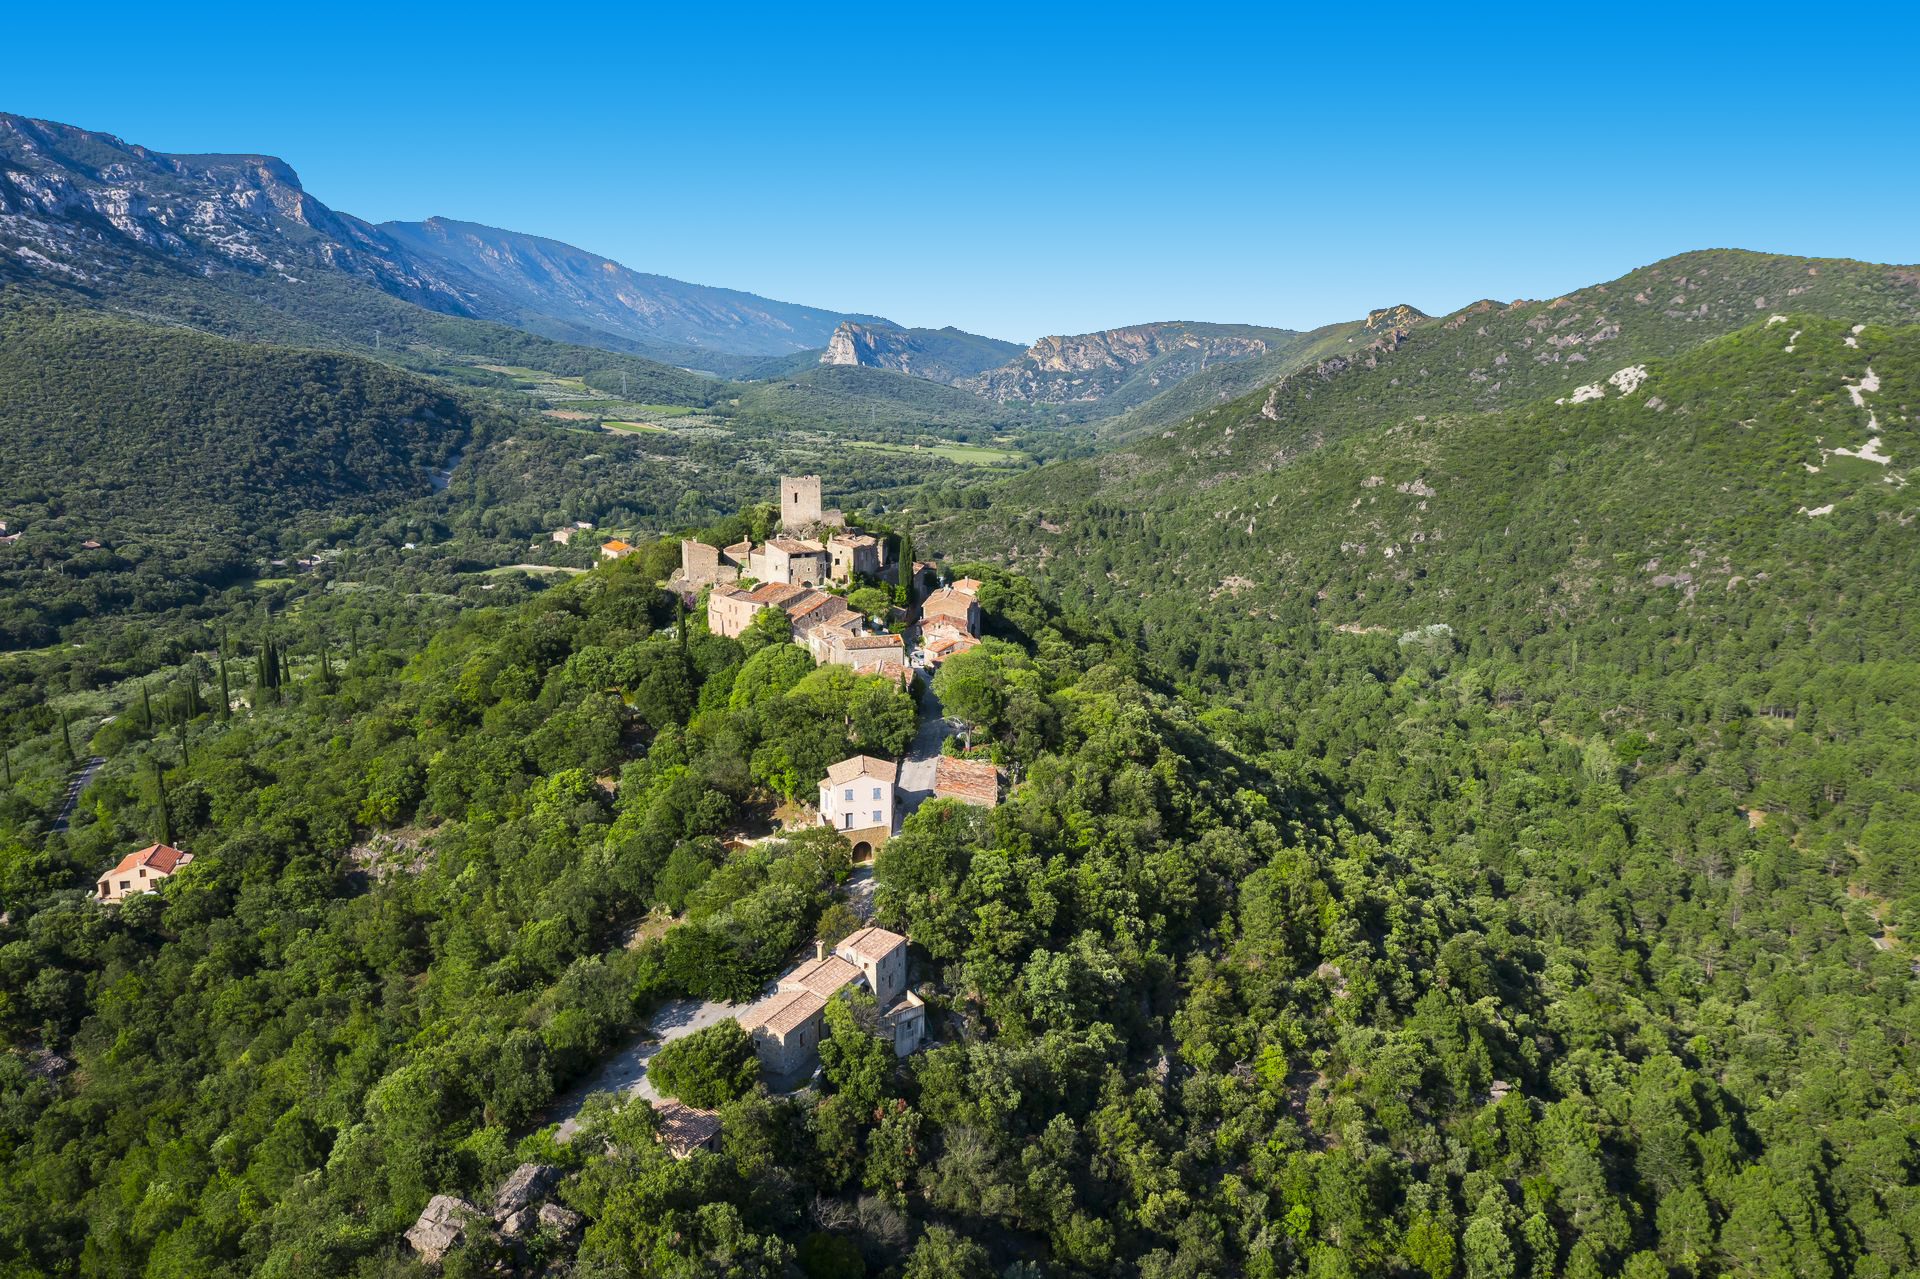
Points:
(819, 950)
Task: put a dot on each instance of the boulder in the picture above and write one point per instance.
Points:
(519, 1223)
(443, 1223)
(564, 1222)
(526, 1185)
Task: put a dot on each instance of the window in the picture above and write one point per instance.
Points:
(876, 792)
(846, 822)
(143, 872)
(125, 885)
(848, 796)
(876, 817)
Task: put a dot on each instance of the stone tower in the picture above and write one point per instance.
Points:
(799, 501)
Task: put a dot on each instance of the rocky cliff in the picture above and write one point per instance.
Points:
(83, 208)
(1095, 366)
(939, 355)
(73, 201)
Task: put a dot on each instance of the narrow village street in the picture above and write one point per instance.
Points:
(916, 770)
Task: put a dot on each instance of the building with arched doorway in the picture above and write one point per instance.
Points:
(856, 799)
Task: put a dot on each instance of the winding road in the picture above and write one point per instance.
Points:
(76, 784)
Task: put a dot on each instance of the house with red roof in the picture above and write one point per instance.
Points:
(141, 872)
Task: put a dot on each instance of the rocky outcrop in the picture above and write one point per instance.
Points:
(526, 1185)
(1393, 317)
(443, 1223)
(1092, 366)
(869, 346)
(939, 355)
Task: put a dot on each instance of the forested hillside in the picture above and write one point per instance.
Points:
(147, 468)
(1461, 815)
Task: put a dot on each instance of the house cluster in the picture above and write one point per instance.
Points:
(785, 1026)
(798, 573)
(814, 549)
(140, 872)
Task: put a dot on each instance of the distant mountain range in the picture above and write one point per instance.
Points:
(235, 245)
(548, 278)
(83, 209)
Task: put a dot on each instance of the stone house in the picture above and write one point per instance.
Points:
(881, 958)
(785, 1029)
(684, 1129)
(856, 799)
(793, 560)
(972, 781)
(866, 654)
(855, 553)
(140, 872)
(614, 549)
(955, 608)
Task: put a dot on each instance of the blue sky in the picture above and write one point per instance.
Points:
(1026, 170)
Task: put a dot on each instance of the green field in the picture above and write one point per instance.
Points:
(965, 454)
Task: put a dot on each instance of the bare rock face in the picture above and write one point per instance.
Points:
(519, 1224)
(524, 1187)
(443, 1223)
(872, 347)
(1091, 366)
(1397, 317)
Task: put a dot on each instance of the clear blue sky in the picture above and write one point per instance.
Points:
(1030, 169)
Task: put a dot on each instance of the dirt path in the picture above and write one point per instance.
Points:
(625, 1069)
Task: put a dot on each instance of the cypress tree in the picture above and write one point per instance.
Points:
(164, 821)
(226, 700)
(146, 707)
(903, 593)
(6, 760)
(66, 739)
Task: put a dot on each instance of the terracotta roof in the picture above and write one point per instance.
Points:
(797, 545)
(615, 545)
(774, 593)
(810, 607)
(862, 766)
(162, 858)
(783, 1012)
(874, 641)
(968, 586)
(684, 1127)
(947, 602)
(821, 976)
(870, 944)
(853, 539)
(975, 780)
(742, 546)
(726, 592)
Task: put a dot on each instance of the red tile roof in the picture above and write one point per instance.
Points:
(162, 859)
(977, 781)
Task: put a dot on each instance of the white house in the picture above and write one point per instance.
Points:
(856, 799)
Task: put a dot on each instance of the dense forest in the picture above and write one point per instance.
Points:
(1450, 837)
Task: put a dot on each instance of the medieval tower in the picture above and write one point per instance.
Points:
(799, 501)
